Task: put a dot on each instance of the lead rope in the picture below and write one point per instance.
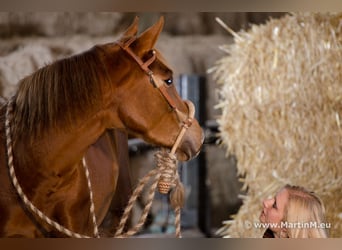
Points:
(91, 197)
(22, 195)
(165, 177)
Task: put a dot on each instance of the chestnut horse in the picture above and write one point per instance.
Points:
(63, 112)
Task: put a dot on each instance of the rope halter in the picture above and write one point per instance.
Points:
(165, 176)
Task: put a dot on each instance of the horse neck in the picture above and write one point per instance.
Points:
(58, 151)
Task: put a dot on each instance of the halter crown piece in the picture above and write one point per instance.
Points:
(165, 175)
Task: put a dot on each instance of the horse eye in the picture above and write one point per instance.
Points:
(169, 81)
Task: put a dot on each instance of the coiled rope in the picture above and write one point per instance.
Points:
(164, 177)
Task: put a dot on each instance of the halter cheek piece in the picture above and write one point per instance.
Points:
(158, 83)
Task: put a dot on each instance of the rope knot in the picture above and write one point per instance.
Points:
(187, 123)
(167, 164)
(169, 178)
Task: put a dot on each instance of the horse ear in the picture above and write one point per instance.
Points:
(132, 29)
(148, 38)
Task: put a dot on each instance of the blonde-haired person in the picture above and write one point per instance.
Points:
(294, 212)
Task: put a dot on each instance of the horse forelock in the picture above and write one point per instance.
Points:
(55, 96)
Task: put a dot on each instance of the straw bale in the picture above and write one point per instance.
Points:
(280, 97)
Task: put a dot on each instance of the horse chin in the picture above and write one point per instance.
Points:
(181, 156)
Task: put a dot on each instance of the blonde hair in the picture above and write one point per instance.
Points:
(304, 215)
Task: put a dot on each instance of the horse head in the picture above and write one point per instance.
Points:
(142, 98)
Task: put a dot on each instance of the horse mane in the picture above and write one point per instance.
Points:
(58, 94)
